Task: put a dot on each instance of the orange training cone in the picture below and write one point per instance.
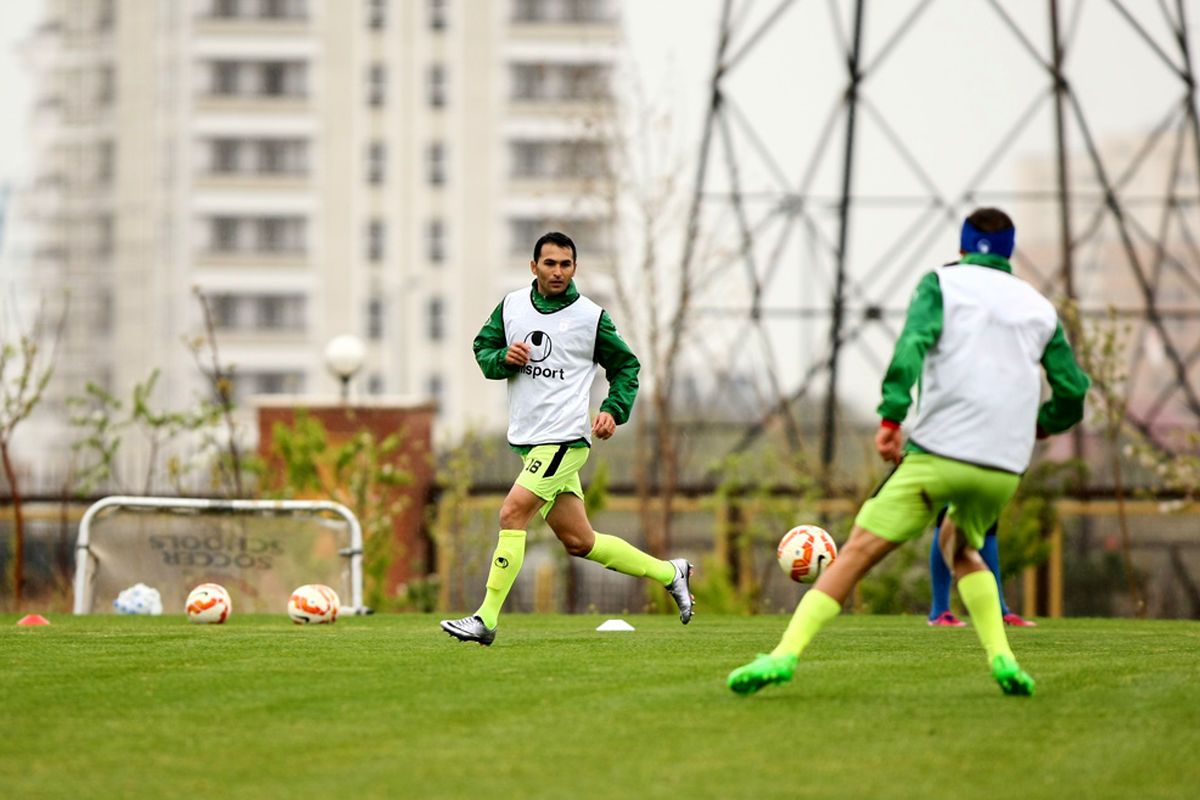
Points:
(33, 619)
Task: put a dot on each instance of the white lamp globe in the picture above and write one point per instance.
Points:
(344, 355)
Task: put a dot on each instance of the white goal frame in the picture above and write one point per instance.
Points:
(354, 552)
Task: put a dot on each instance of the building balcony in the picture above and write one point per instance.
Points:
(252, 104)
(240, 260)
(563, 108)
(255, 27)
(252, 181)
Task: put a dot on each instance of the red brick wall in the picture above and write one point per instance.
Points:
(411, 550)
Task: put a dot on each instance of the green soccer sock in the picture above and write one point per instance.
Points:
(506, 563)
(981, 596)
(815, 609)
(618, 554)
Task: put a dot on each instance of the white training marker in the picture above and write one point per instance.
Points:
(614, 625)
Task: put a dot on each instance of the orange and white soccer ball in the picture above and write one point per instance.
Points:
(805, 552)
(208, 603)
(313, 604)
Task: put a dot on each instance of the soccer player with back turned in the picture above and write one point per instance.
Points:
(547, 342)
(978, 338)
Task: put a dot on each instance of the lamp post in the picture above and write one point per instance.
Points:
(344, 356)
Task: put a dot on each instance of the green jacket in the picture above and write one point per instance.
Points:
(923, 326)
(613, 355)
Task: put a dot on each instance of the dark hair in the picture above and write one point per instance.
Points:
(554, 237)
(989, 220)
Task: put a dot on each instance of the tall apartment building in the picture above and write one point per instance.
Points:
(315, 168)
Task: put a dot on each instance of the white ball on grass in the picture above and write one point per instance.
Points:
(313, 604)
(208, 603)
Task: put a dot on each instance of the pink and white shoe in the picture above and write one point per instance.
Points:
(1017, 621)
(946, 620)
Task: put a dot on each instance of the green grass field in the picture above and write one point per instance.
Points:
(390, 707)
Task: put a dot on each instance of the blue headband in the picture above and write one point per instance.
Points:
(999, 243)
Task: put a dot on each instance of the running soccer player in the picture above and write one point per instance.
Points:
(940, 577)
(547, 341)
(975, 335)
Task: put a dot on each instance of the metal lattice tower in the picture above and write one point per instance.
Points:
(816, 210)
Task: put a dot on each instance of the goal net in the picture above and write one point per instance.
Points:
(259, 550)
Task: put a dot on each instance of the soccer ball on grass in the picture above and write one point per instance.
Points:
(313, 604)
(208, 603)
(805, 552)
(139, 599)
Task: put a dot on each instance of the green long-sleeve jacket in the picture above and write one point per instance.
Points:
(620, 365)
(922, 327)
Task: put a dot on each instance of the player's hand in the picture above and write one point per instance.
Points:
(518, 354)
(889, 441)
(604, 426)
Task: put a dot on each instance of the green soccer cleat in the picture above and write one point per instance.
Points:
(762, 671)
(1010, 676)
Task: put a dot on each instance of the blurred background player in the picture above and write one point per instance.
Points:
(940, 578)
(978, 339)
(547, 342)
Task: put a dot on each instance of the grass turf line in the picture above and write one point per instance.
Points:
(389, 706)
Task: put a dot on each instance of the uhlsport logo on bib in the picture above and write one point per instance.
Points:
(501, 562)
(539, 346)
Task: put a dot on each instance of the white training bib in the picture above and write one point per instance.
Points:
(981, 383)
(548, 398)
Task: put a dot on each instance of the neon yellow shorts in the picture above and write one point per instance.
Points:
(552, 469)
(910, 498)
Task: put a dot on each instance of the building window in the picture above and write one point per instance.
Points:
(554, 82)
(376, 84)
(223, 308)
(225, 234)
(375, 318)
(225, 78)
(558, 159)
(375, 384)
(260, 9)
(265, 156)
(436, 319)
(258, 234)
(225, 154)
(274, 79)
(258, 312)
(279, 312)
(106, 86)
(564, 11)
(282, 156)
(376, 162)
(437, 86)
(105, 160)
(436, 163)
(376, 236)
(436, 240)
(283, 9)
(376, 14)
(437, 15)
(436, 388)
(259, 78)
(591, 236)
(280, 234)
(252, 382)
